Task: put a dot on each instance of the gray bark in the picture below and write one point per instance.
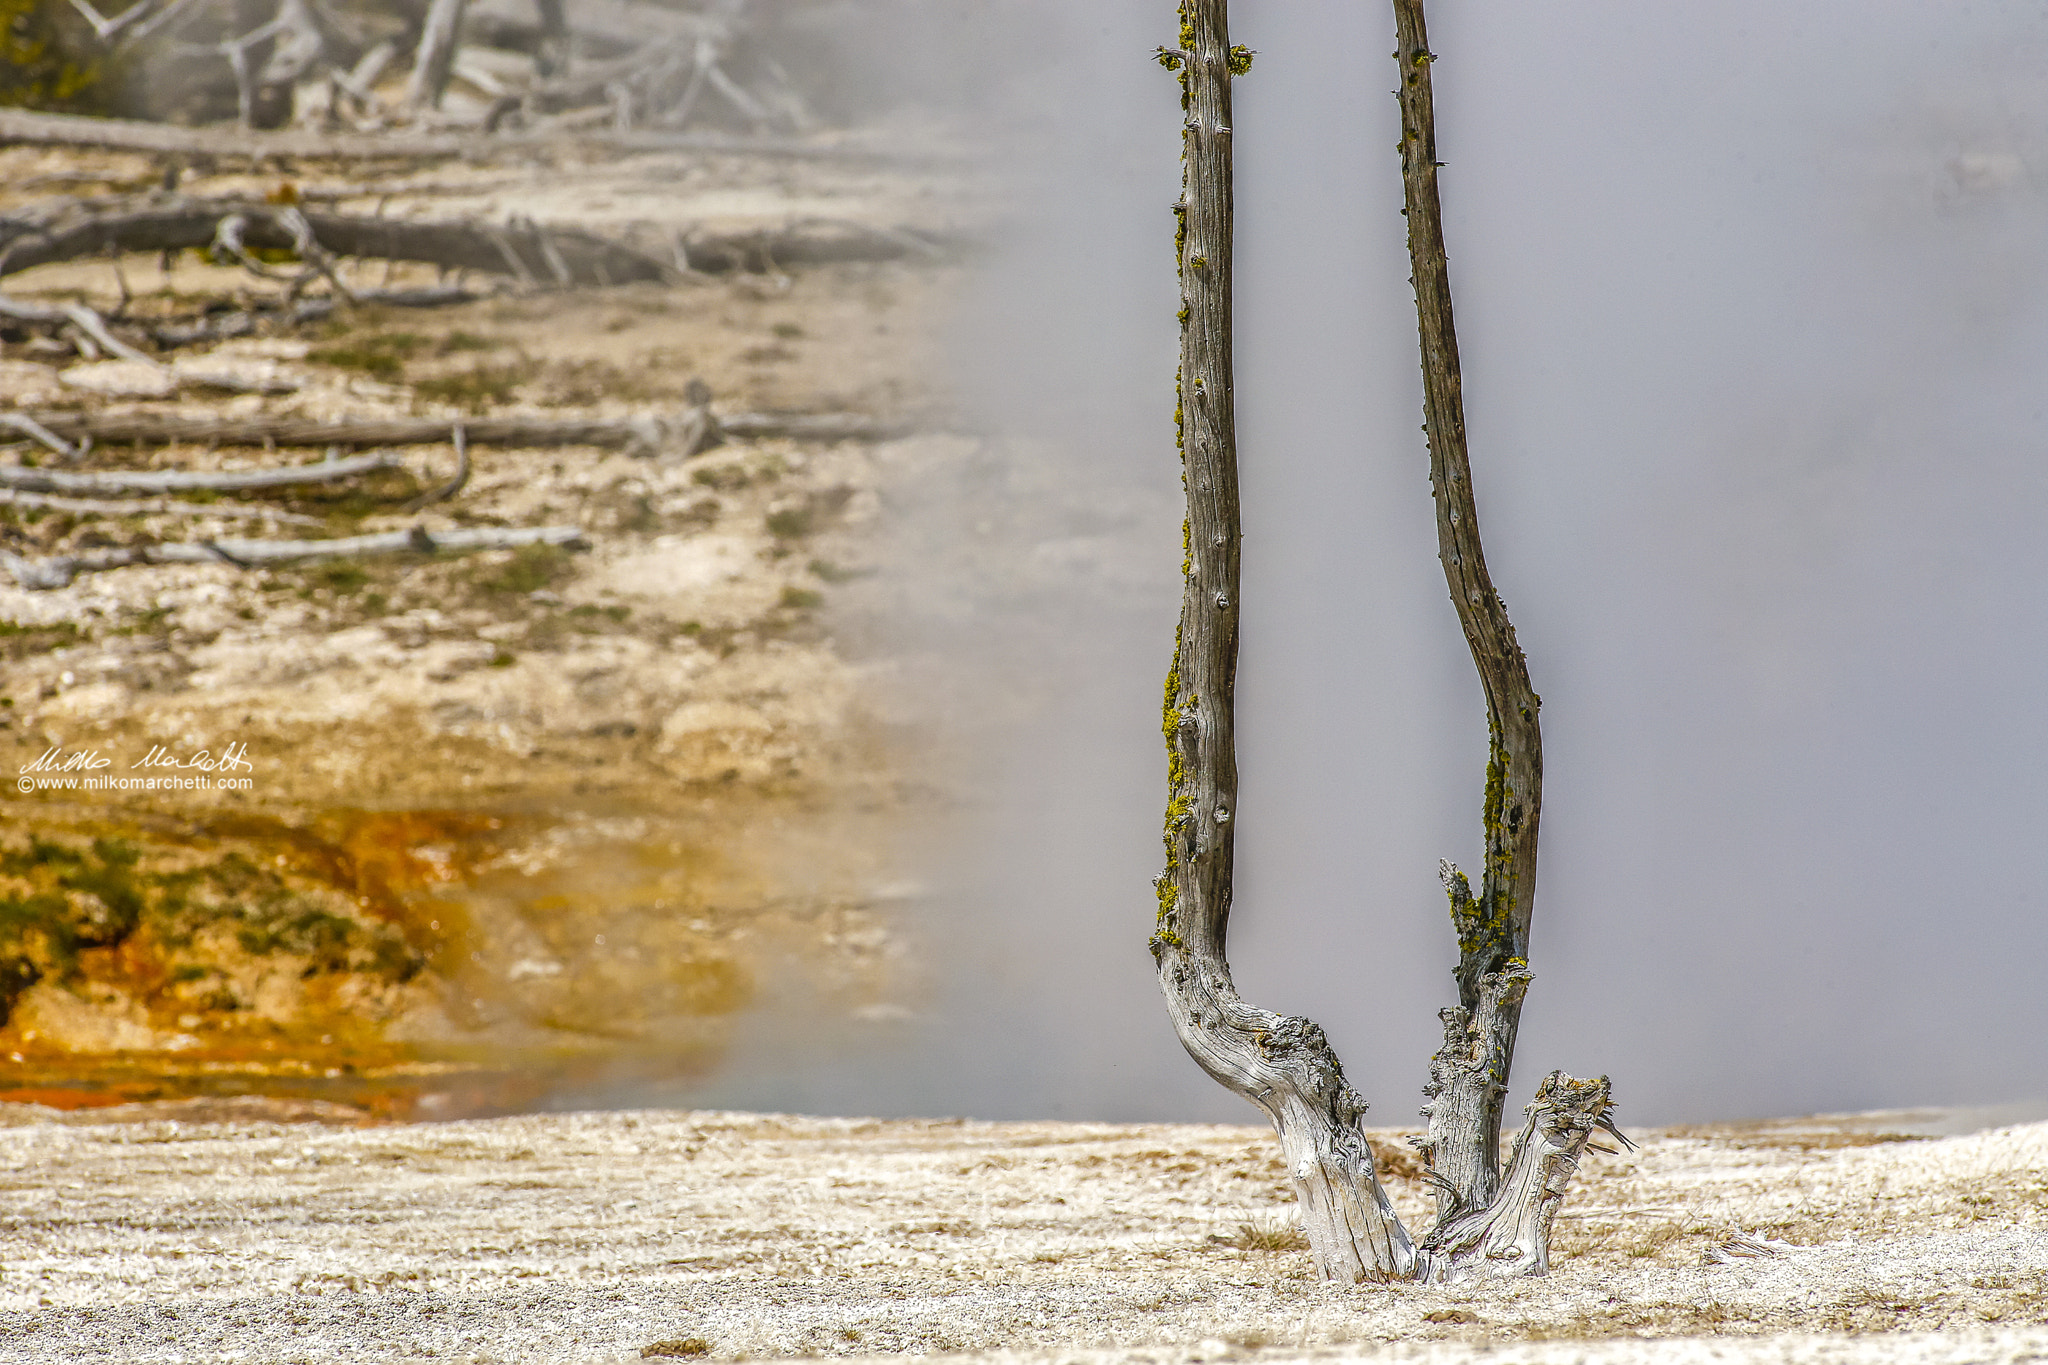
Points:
(1283, 1065)
(1493, 928)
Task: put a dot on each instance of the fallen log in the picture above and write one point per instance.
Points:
(32, 479)
(648, 432)
(58, 571)
(524, 250)
(243, 144)
(166, 222)
(138, 507)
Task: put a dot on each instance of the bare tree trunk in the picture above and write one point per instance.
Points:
(553, 57)
(1469, 1080)
(1283, 1065)
(435, 58)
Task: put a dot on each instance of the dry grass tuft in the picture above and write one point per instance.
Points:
(1260, 1235)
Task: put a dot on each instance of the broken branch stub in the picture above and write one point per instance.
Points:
(1283, 1065)
(1467, 1084)
(1511, 1236)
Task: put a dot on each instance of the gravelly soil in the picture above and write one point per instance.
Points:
(593, 1236)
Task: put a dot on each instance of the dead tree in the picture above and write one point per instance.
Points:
(434, 58)
(553, 54)
(1487, 1223)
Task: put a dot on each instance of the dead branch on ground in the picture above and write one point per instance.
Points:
(58, 571)
(92, 336)
(36, 431)
(135, 507)
(37, 480)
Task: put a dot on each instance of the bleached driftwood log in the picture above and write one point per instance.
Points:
(141, 481)
(165, 222)
(1282, 1064)
(647, 432)
(242, 144)
(139, 507)
(57, 571)
(523, 250)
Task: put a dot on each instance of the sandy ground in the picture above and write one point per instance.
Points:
(131, 1235)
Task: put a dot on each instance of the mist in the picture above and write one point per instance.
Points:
(1753, 303)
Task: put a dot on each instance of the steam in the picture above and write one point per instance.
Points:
(1754, 312)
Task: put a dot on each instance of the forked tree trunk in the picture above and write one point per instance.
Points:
(1282, 1064)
